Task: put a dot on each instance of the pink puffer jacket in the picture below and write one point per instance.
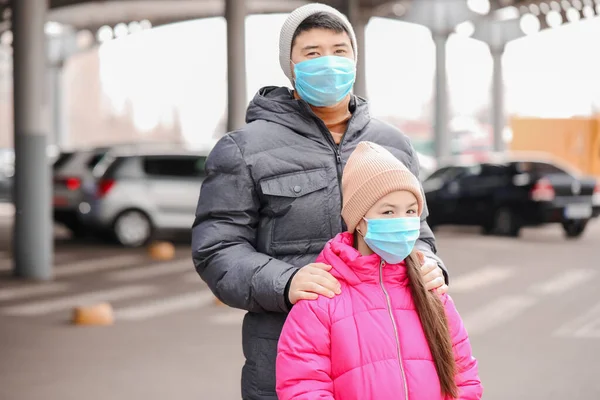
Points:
(345, 348)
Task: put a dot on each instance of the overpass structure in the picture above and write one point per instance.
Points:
(35, 50)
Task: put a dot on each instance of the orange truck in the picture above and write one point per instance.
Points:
(575, 141)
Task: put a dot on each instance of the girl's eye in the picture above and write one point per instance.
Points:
(389, 212)
(411, 212)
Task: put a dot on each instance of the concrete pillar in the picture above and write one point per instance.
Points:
(440, 123)
(497, 34)
(60, 125)
(498, 116)
(32, 239)
(441, 17)
(351, 8)
(61, 45)
(237, 98)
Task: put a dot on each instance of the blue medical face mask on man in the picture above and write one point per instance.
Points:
(393, 239)
(324, 81)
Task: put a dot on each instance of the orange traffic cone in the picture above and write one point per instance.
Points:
(98, 314)
(162, 251)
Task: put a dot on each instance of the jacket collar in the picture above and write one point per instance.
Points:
(349, 265)
(278, 105)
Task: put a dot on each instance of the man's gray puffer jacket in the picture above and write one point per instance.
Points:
(269, 204)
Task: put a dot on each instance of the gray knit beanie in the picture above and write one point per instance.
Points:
(294, 20)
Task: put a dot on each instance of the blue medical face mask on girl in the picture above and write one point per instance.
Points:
(324, 81)
(393, 239)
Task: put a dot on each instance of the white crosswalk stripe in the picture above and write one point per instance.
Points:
(99, 265)
(66, 302)
(563, 282)
(584, 326)
(152, 271)
(6, 263)
(480, 278)
(19, 292)
(167, 305)
(496, 313)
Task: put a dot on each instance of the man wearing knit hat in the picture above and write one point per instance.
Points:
(272, 196)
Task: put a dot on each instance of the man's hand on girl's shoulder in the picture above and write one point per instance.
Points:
(311, 281)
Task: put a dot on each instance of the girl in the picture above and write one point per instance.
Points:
(385, 337)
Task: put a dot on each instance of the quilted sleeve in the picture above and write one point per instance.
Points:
(303, 367)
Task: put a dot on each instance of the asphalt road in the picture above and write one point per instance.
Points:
(530, 304)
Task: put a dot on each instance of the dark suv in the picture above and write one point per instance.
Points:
(506, 194)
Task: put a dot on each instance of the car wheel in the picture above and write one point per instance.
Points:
(506, 223)
(132, 228)
(574, 229)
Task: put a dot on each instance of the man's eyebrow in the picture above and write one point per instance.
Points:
(310, 47)
(341, 45)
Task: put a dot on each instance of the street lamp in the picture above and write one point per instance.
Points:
(104, 34)
(554, 19)
(121, 30)
(529, 24)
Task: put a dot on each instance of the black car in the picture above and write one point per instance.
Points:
(506, 194)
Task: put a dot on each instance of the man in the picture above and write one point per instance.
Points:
(272, 196)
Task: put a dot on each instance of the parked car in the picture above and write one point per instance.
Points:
(144, 192)
(72, 172)
(508, 192)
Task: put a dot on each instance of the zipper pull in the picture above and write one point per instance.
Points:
(338, 157)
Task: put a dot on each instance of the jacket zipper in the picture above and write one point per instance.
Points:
(390, 311)
(336, 148)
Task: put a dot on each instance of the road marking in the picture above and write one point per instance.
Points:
(584, 326)
(156, 308)
(496, 313)
(563, 282)
(19, 292)
(230, 317)
(152, 271)
(479, 279)
(99, 265)
(67, 302)
(6, 262)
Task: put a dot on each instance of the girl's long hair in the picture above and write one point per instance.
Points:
(435, 325)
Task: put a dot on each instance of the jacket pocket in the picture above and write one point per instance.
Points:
(298, 207)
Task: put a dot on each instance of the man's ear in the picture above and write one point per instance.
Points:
(293, 72)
